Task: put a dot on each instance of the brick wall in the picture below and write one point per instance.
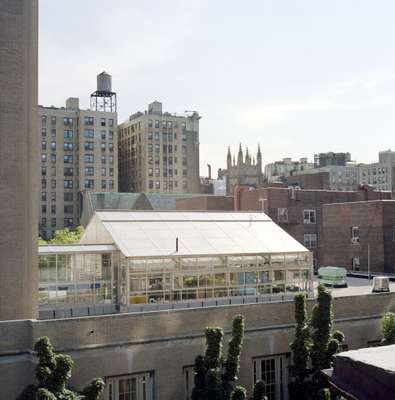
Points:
(213, 203)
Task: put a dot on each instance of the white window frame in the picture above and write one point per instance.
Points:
(144, 383)
(309, 239)
(277, 390)
(355, 236)
(282, 214)
(309, 216)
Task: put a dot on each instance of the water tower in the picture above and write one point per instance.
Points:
(104, 99)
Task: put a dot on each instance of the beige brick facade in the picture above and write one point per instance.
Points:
(79, 152)
(18, 158)
(159, 152)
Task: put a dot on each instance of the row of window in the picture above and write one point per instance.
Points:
(69, 184)
(68, 158)
(67, 196)
(68, 222)
(309, 216)
(68, 146)
(69, 171)
(167, 185)
(88, 133)
(273, 370)
(67, 209)
(67, 121)
(166, 172)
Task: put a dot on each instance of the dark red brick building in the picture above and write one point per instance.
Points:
(223, 203)
(355, 232)
(299, 212)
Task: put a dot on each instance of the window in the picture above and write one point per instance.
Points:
(103, 184)
(111, 147)
(53, 120)
(53, 209)
(130, 387)
(103, 135)
(355, 234)
(189, 377)
(89, 183)
(68, 222)
(43, 171)
(89, 171)
(102, 122)
(43, 221)
(150, 123)
(68, 134)
(53, 196)
(111, 171)
(309, 217)
(53, 158)
(44, 132)
(68, 171)
(156, 124)
(53, 146)
(356, 264)
(310, 240)
(89, 146)
(103, 171)
(68, 184)
(53, 133)
(111, 185)
(67, 121)
(103, 159)
(43, 209)
(43, 196)
(89, 121)
(89, 158)
(43, 120)
(282, 214)
(68, 209)
(53, 183)
(110, 135)
(68, 146)
(68, 159)
(89, 133)
(111, 159)
(103, 147)
(273, 370)
(43, 183)
(43, 145)
(110, 122)
(68, 196)
(43, 158)
(53, 222)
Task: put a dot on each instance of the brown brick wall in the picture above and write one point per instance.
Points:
(213, 203)
(375, 220)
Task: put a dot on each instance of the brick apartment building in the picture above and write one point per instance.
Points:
(360, 233)
(299, 212)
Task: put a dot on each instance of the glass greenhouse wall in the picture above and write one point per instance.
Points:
(81, 278)
(166, 280)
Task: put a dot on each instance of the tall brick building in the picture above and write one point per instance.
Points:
(360, 235)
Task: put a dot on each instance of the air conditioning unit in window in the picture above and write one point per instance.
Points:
(355, 240)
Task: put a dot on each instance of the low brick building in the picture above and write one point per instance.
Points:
(358, 234)
(320, 180)
(206, 203)
(299, 212)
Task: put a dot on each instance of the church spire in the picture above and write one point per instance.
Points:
(229, 159)
(240, 156)
(248, 158)
(259, 159)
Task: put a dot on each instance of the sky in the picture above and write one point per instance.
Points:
(297, 77)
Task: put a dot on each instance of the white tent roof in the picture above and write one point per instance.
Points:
(153, 234)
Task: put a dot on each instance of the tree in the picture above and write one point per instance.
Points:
(215, 377)
(314, 344)
(65, 236)
(300, 349)
(52, 373)
(388, 328)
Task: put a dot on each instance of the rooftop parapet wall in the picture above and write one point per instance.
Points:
(102, 331)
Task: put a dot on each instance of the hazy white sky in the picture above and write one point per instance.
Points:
(298, 77)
